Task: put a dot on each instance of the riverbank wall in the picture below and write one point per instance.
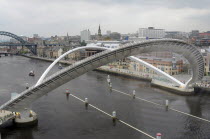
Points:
(47, 59)
(170, 88)
(124, 74)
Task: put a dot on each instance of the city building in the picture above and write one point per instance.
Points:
(14, 40)
(99, 31)
(172, 66)
(200, 39)
(164, 54)
(107, 44)
(136, 39)
(4, 48)
(24, 38)
(205, 35)
(206, 56)
(41, 51)
(54, 52)
(108, 32)
(202, 42)
(121, 64)
(35, 36)
(71, 40)
(151, 33)
(195, 33)
(85, 35)
(75, 56)
(38, 41)
(99, 37)
(131, 37)
(177, 35)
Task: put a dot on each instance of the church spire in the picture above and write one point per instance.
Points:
(99, 31)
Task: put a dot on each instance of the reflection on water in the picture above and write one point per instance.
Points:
(194, 104)
(67, 96)
(9, 130)
(192, 125)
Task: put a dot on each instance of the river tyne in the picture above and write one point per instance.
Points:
(62, 117)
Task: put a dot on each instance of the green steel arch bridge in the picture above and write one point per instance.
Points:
(31, 46)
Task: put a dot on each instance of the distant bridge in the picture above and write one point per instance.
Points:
(63, 76)
(31, 46)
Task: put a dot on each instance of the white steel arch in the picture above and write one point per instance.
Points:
(160, 72)
(59, 58)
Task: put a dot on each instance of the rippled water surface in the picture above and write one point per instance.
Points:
(66, 117)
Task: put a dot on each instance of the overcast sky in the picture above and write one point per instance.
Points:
(51, 17)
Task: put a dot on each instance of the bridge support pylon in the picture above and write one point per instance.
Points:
(26, 117)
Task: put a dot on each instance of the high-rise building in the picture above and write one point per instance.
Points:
(85, 35)
(151, 33)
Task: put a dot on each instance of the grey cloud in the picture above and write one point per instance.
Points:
(161, 3)
(50, 17)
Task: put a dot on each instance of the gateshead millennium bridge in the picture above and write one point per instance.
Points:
(23, 101)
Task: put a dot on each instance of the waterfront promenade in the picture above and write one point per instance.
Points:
(49, 59)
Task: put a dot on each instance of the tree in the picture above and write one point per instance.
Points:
(83, 43)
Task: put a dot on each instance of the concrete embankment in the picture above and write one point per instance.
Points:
(123, 74)
(161, 85)
(48, 60)
(173, 89)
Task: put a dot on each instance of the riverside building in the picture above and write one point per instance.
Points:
(85, 35)
(151, 33)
